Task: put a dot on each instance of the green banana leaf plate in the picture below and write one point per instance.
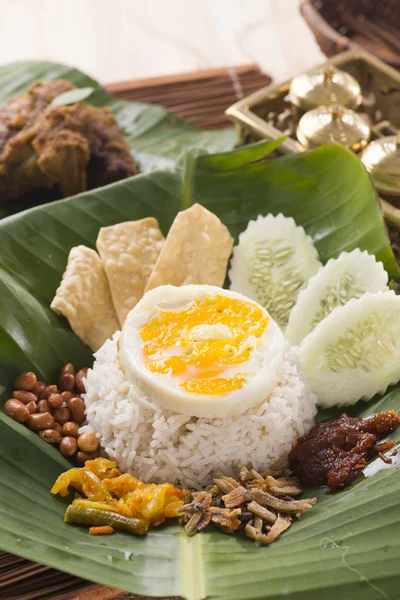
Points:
(347, 546)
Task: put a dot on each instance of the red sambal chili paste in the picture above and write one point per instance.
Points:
(332, 454)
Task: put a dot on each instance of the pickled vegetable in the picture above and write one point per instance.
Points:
(119, 501)
(84, 481)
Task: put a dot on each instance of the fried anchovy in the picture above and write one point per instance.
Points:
(224, 511)
(284, 481)
(283, 486)
(225, 518)
(230, 480)
(254, 534)
(261, 505)
(191, 508)
(204, 521)
(262, 512)
(285, 491)
(281, 524)
(194, 513)
(246, 475)
(296, 506)
(236, 497)
(200, 496)
(252, 530)
(194, 520)
(226, 484)
(213, 490)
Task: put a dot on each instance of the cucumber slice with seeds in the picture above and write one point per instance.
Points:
(354, 353)
(349, 276)
(272, 262)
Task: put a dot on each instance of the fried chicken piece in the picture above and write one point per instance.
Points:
(71, 148)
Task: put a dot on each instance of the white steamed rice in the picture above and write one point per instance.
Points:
(158, 445)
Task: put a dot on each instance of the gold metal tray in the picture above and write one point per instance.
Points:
(254, 115)
(376, 78)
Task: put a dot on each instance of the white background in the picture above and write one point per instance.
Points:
(116, 40)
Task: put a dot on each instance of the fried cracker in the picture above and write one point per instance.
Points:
(129, 252)
(196, 251)
(84, 298)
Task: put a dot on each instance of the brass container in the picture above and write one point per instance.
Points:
(260, 115)
(382, 160)
(257, 116)
(333, 125)
(325, 86)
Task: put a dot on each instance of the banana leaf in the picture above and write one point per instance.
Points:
(155, 135)
(347, 545)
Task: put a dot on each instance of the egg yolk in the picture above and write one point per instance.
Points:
(174, 345)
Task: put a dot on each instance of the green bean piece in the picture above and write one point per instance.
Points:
(94, 517)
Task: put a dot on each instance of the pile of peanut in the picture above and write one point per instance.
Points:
(56, 412)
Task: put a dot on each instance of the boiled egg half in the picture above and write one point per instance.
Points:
(201, 350)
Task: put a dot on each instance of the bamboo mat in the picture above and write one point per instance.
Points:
(200, 98)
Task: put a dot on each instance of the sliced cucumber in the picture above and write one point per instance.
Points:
(349, 276)
(272, 262)
(354, 352)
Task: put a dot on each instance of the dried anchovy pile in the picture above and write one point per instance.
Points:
(261, 506)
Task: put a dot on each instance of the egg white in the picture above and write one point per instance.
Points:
(264, 366)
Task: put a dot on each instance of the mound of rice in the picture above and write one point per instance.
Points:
(157, 445)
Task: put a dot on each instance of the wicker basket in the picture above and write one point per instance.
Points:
(342, 24)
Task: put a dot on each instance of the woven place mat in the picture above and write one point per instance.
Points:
(200, 98)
